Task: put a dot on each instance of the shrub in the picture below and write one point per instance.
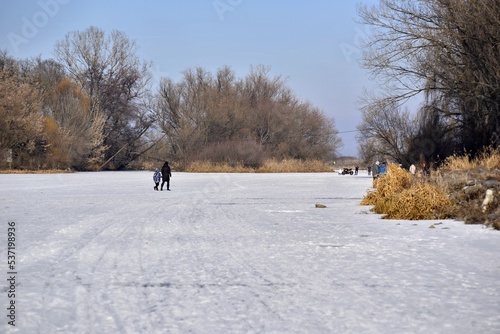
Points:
(421, 201)
(399, 195)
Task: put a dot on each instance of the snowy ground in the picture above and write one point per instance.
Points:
(236, 253)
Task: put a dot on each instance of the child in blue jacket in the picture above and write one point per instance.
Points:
(156, 178)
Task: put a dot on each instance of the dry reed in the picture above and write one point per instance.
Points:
(38, 171)
(399, 195)
(269, 166)
(489, 159)
(294, 166)
(210, 167)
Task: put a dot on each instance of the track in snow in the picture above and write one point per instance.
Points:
(104, 253)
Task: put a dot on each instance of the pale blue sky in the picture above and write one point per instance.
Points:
(313, 44)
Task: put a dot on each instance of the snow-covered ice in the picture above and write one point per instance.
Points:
(236, 253)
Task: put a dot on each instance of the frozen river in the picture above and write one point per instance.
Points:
(235, 253)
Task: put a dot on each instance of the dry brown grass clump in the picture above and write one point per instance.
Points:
(269, 166)
(421, 201)
(40, 171)
(463, 188)
(489, 159)
(399, 195)
(294, 166)
(210, 167)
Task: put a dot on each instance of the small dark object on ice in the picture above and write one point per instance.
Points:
(347, 171)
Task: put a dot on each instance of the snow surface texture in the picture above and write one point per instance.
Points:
(237, 253)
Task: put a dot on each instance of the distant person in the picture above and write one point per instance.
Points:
(425, 169)
(369, 170)
(156, 178)
(165, 175)
(375, 170)
(356, 169)
(413, 169)
(382, 169)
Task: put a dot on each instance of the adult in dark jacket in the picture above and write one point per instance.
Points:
(165, 175)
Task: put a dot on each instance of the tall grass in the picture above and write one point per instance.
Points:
(489, 159)
(269, 166)
(38, 171)
(210, 167)
(400, 195)
(294, 166)
(456, 190)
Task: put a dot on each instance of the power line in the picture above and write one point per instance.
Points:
(348, 131)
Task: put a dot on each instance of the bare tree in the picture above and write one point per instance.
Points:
(386, 132)
(75, 136)
(83, 132)
(21, 120)
(181, 123)
(447, 50)
(224, 119)
(109, 71)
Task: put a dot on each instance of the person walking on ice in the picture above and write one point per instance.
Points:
(165, 175)
(156, 178)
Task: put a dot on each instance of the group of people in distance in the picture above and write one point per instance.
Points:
(378, 169)
(164, 175)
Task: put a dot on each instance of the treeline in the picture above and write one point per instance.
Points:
(94, 107)
(446, 52)
(219, 118)
(45, 119)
